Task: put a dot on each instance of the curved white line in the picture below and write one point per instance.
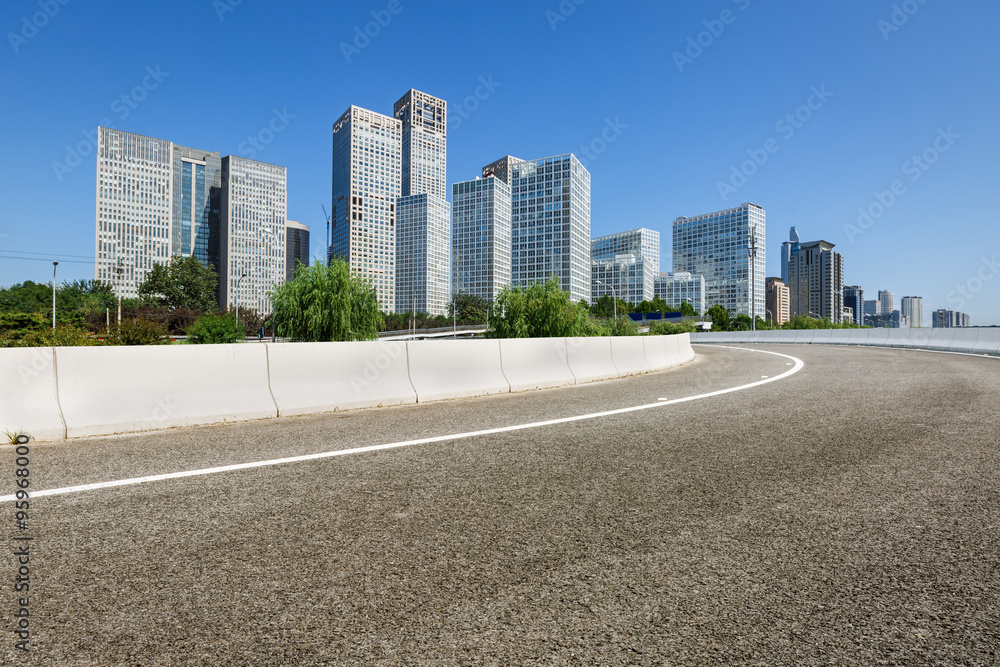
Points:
(408, 443)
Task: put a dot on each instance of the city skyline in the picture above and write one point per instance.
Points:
(856, 150)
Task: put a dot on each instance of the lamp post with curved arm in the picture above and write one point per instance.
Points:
(614, 295)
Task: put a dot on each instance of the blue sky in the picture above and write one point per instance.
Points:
(684, 108)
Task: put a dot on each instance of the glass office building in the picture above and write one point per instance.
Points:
(366, 184)
(614, 273)
(678, 287)
(296, 247)
(716, 246)
(481, 237)
(423, 233)
(197, 180)
(424, 142)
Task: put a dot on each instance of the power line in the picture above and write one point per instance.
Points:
(48, 259)
(44, 254)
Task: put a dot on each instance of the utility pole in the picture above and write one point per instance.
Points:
(119, 270)
(752, 252)
(54, 265)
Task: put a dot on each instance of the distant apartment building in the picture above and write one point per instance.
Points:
(777, 301)
(481, 237)
(816, 281)
(854, 298)
(716, 246)
(912, 309)
(625, 264)
(253, 245)
(873, 307)
(944, 318)
(157, 200)
(296, 247)
(367, 166)
(679, 286)
(886, 302)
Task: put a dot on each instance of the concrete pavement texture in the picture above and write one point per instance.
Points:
(846, 514)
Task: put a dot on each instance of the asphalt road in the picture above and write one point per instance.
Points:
(846, 514)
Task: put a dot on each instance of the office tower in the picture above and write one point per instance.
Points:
(625, 264)
(816, 274)
(854, 298)
(502, 168)
(134, 208)
(366, 183)
(912, 308)
(423, 216)
(254, 214)
(786, 253)
(296, 247)
(481, 237)
(716, 246)
(424, 139)
(422, 254)
(197, 179)
(550, 223)
(873, 307)
(949, 319)
(680, 286)
(886, 304)
(777, 301)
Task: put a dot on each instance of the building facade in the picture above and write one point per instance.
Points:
(424, 144)
(423, 246)
(550, 224)
(626, 264)
(481, 237)
(816, 275)
(717, 246)
(296, 247)
(367, 164)
(854, 298)
(254, 216)
(777, 301)
(786, 254)
(944, 318)
(197, 181)
(912, 309)
(680, 286)
(886, 302)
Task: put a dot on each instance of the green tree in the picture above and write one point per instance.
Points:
(660, 306)
(183, 282)
(538, 311)
(326, 303)
(135, 332)
(687, 310)
(720, 317)
(215, 328)
(471, 309)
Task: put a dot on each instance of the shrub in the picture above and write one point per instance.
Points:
(212, 329)
(670, 328)
(136, 332)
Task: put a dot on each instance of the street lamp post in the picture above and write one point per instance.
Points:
(54, 265)
(119, 270)
(770, 317)
(614, 296)
(752, 252)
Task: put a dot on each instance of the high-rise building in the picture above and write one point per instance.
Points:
(625, 264)
(367, 166)
(157, 199)
(886, 302)
(550, 223)
(423, 216)
(786, 254)
(481, 237)
(949, 319)
(873, 307)
(680, 286)
(816, 275)
(777, 300)
(854, 298)
(502, 168)
(297, 247)
(254, 214)
(717, 246)
(912, 308)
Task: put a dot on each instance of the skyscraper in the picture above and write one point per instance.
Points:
(481, 237)
(366, 184)
(297, 247)
(716, 246)
(777, 300)
(625, 264)
(786, 254)
(886, 302)
(197, 179)
(254, 215)
(423, 217)
(550, 223)
(816, 288)
(676, 288)
(912, 308)
(854, 297)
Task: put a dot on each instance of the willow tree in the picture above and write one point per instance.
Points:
(326, 303)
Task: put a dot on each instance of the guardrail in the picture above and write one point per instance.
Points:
(970, 341)
(66, 392)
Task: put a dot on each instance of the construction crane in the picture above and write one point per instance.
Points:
(328, 232)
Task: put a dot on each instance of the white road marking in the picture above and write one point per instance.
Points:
(798, 364)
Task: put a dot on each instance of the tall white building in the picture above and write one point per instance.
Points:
(423, 216)
(887, 301)
(481, 237)
(367, 168)
(912, 308)
(680, 286)
(550, 223)
(625, 265)
(717, 246)
(254, 217)
(816, 287)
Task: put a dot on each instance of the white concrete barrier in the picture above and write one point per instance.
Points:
(822, 337)
(105, 390)
(322, 377)
(627, 354)
(28, 397)
(940, 339)
(535, 363)
(685, 352)
(590, 359)
(965, 340)
(441, 370)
